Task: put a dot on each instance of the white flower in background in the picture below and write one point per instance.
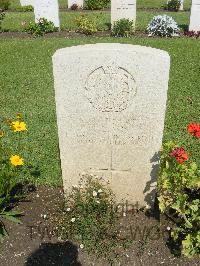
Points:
(98, 201)
(68, 209)
(73, 220)
(81, 246)
(168, 228)
(94, 193)
(100, 190)
(163, 26)
(124, 214)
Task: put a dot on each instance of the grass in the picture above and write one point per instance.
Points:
(27, 86)
(140, 3)
(13, 20)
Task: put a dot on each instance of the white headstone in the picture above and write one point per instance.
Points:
(181, 6)
(195, 16)
(110, 102)
(79, 3)
(27, 2)
(48, 9)
(123, 9)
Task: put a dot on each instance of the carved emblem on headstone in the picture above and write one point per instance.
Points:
(110, 88)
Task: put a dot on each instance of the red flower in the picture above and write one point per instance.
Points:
(194, 129)
(197, 134)
(180, 155)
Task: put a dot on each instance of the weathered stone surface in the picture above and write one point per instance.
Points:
(27, 2)
(195, 16)
(111, 101)
(79, 3)
(48, 9)
(123, 9)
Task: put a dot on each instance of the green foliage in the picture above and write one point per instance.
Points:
(4, 4)
(42, 27)
(173, 5)
(86, 25)
(9, 169)
(25, 8)
(122, 28)
(96, 4)
(90, 219)
(179, 193)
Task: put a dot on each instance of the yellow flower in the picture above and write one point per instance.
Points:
(1, 133)
(18, 126)
(16, 160)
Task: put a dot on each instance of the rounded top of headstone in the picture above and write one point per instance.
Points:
(112, 47)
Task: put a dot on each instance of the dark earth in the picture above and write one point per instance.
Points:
(72, 34)
(33, 243)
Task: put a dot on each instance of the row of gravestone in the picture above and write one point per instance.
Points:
(49, 9)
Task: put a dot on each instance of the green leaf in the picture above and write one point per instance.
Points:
(11, 216)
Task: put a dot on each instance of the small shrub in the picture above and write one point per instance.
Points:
(74, 7)
(179, 194)
(173, 5)
(96, 4)
(195, 34)
(89, 218)
(86, 26)
(4, 4)
(25, 8)
(122, 28)
(42, 27)
(163, 26)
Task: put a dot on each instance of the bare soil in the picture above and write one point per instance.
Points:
(72, 34)
(33, 243)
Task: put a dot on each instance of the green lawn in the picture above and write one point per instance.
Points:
(13, 20)
(140, 3)
(27, 86)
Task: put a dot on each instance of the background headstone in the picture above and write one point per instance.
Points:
(195, 16)
(181, 7)
(27, 2)
(123, 9)
(78, 2)
(48, 9)
(110, 101)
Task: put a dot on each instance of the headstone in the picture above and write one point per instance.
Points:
(110, 102)
(27, 2)
(195, 16)
(123, 9)
(181, 6)
(48, 9)
(79, 3)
